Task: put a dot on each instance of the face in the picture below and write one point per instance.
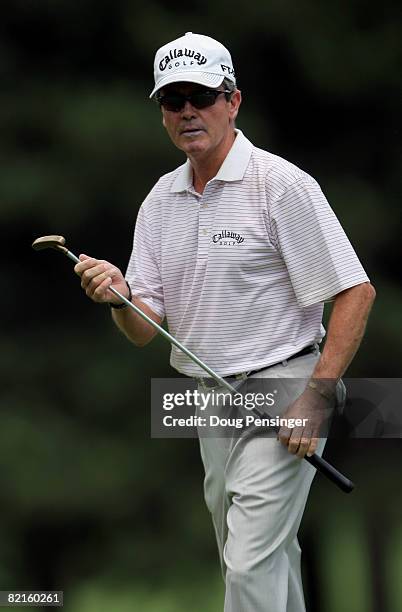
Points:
(205, 132)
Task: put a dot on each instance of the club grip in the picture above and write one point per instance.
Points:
(330, 472)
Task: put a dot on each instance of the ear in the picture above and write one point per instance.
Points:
(163, 119)
(234, 102)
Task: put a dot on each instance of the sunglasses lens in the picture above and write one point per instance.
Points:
(175, 102)
(203, 99)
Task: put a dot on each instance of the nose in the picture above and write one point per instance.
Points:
(188, 111)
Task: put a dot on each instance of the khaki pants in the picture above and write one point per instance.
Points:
(256, 492)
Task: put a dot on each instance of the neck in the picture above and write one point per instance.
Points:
(206, 167)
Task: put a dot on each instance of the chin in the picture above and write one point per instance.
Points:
(195, 147)
(198, 145)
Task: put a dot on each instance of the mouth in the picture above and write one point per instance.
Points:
(192, 132)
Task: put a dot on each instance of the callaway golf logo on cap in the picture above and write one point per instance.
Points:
(167, 61)
(193, 58)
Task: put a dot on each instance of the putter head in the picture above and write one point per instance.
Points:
(50, 242)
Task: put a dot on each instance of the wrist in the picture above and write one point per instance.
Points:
(324, 388)
(122, 305)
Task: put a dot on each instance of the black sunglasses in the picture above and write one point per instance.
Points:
(175, 102)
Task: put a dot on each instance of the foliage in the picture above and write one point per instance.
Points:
(89, 502)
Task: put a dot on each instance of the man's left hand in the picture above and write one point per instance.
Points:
(316, 410)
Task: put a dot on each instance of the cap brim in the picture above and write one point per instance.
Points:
(200, 78)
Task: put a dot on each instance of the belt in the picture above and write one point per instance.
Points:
(312, 348)
(305, 351)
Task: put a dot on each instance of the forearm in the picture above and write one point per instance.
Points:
(345, 331)
(135, 328)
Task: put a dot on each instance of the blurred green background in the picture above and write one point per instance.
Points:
(89, 502)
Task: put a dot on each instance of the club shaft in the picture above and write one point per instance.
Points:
(318, 462)
(72, 256)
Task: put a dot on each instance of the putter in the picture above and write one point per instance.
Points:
(58, 243)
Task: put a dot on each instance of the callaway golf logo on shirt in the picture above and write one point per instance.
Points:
(227, 238)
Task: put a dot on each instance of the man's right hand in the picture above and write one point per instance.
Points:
(96, 277)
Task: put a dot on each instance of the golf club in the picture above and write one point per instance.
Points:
(58, 243)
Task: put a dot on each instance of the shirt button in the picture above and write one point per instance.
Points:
(205, 231)
(204, 205)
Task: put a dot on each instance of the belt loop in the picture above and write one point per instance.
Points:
(285, 363)
(316, 348)
(200, 381)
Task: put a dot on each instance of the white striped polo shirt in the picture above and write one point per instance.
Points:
(240, 272)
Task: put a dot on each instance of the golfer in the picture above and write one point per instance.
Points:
(239, 249)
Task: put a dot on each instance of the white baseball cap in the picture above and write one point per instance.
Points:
(192, 58)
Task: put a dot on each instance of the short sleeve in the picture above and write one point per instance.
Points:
(143, 274)
(320, 260)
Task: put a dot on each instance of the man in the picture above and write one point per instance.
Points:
(239, 249)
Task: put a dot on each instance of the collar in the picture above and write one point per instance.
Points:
(232, 169)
